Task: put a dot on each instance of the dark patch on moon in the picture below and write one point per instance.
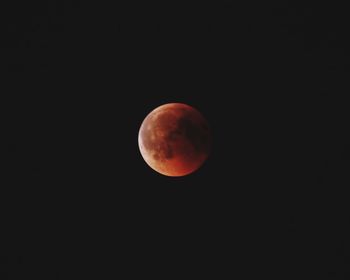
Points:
(156, 156)
(162, 152)
(174, 135)
(168, 152)
(194, 133)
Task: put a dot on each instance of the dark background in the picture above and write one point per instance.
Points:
(269, 77)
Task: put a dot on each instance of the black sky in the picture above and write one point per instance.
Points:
(270, 79)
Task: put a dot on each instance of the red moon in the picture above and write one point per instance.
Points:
(174, 139)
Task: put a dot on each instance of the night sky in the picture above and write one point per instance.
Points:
(270, 201)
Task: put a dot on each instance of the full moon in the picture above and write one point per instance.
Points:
(174, 139)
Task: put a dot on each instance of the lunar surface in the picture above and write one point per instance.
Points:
(174, 139)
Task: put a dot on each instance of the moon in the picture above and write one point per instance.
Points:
(174, 139)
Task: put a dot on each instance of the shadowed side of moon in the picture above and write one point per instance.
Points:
(174, 139)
